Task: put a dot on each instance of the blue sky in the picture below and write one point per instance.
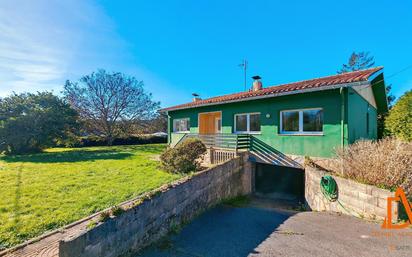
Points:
(181, 47)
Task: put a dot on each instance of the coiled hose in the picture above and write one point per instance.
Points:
(329, 188)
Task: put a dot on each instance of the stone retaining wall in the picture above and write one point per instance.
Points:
(357, 199)
(147, 221)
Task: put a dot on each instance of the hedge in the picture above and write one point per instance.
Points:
(131, 140)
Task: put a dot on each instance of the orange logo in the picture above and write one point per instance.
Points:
(399, 196)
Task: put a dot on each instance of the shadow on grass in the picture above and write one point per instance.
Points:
(69, 156)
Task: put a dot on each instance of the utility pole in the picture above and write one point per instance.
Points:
(244, 66)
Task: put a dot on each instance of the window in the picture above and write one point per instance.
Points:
(181, 125)
(247, 123)
(290, 121)
(308, 121)
(241, 123)
(312, 120)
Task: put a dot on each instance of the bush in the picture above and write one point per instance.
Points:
(399, 121)
(385, 163)
(183, 158)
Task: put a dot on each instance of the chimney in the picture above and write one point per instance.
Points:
(257, 84)
(196, 97)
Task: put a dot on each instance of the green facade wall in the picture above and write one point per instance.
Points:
(310, 145)
(359, 111)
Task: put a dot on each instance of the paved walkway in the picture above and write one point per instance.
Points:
(47, 246)
(252, 231)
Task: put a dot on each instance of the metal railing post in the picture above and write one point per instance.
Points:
(237, 143)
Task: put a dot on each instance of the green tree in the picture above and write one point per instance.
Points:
(358, 61)
(109, 103)
(382, 116)
(399, 121)
(31, 122)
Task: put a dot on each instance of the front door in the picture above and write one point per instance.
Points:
(208, 123)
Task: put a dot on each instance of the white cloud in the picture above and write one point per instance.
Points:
(44, 42)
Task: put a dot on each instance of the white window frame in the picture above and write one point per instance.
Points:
(217, 125)
(185, 131)
(300, 132)
(247, 123)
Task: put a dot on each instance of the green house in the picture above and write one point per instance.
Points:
(305, 118)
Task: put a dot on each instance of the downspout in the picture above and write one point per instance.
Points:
(169, 133)
(342, 124)
(342, 117)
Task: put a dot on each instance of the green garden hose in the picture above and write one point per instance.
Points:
(329, 188)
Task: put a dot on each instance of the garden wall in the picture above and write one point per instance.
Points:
(354, 198)
(147, 221)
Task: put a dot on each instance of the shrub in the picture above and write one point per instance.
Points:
(117, 211)
(399, 121)
(183, 158)
(104, 216)
(385, 163)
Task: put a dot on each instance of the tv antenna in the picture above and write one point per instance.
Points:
(244, 66)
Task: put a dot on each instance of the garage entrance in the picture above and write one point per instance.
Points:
(279, 182)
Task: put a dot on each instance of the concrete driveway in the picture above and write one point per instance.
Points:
(257, 230)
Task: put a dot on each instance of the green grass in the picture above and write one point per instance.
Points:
(41, 192)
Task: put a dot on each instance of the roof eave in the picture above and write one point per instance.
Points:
(375, 74)
(359, 83)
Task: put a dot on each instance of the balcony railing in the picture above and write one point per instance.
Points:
(221, 140)
(225, 146)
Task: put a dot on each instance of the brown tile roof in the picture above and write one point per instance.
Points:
(291, 88)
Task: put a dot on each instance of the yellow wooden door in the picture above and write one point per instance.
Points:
(207, 122)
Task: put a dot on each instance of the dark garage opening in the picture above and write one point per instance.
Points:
(279, 182)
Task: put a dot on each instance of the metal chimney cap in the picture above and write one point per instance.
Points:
(195, 94)
(256, 77)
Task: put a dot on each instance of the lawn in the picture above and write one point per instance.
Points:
(41, 192)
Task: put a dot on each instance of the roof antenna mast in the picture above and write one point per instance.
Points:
(244, 66)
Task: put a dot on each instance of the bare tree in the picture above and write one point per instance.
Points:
(107, 102)
(358, 61)
(156, 124)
